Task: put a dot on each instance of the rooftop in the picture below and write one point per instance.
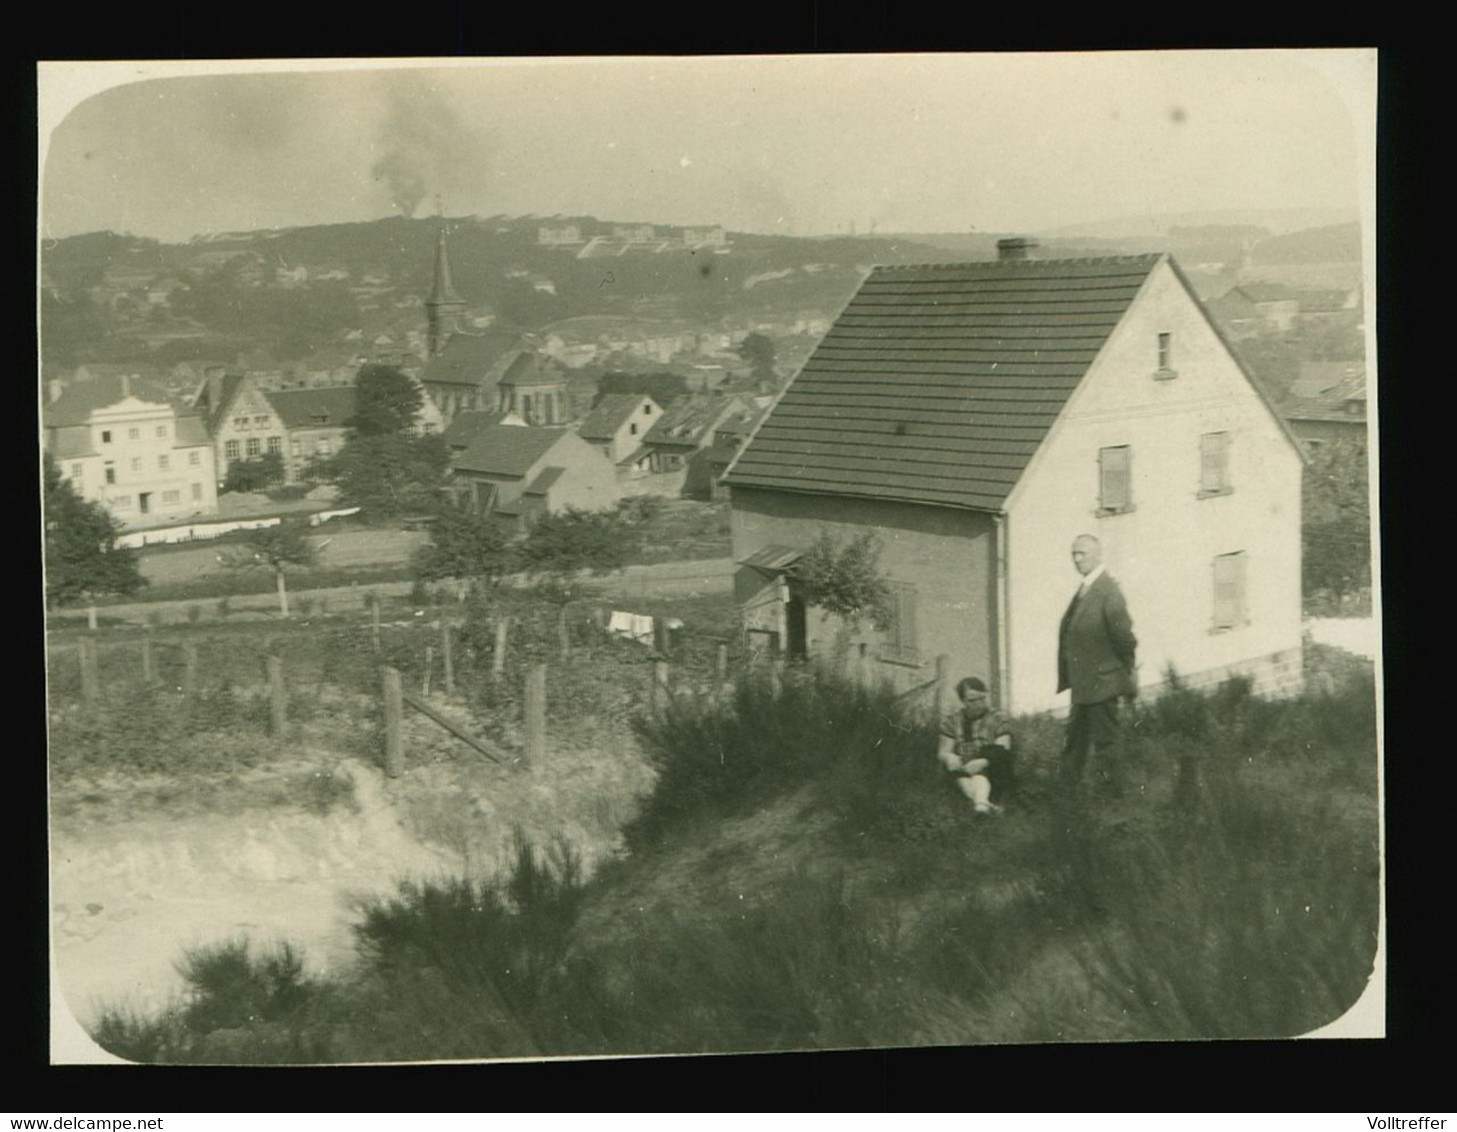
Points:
(313, 408)
(610, 414)
(506, 450)
(938, 383)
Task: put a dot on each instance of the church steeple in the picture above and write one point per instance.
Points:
(443, 305)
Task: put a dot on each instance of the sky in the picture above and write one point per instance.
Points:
(797, 145)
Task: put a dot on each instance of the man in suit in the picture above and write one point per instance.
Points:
(1095, 659)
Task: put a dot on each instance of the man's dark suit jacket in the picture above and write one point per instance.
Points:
(1095, 647)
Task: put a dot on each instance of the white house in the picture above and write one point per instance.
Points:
(618, 424)
(978, 417)
(124, 443)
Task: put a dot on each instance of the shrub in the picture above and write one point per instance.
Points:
(485, 953)
(713, 761)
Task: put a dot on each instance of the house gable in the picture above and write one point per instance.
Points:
(1161, 538)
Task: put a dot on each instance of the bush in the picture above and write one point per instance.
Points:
(712, 762)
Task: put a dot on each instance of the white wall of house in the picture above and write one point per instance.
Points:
(590, 480)
(140, 472)
(628, 437)
(1162, 551)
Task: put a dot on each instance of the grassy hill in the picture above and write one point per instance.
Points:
(801, 874)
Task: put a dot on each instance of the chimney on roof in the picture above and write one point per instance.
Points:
(1015, 247)
(126, 389)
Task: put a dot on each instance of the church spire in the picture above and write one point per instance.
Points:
(444, 304)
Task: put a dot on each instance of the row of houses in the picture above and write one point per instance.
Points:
(150, 455)
(571, 234)
(1254, 308)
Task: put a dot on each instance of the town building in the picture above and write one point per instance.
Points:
(516, 474)
(687, 425)
(617, 426)
(557, 235)
(978, 417)
(535, 389)
(246, 421)
(125, 443)
(1327, 402)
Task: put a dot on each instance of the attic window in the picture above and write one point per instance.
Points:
(1165, 356)
(319, 418)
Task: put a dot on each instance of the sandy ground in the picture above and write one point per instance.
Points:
(128, 896)
(135, 885)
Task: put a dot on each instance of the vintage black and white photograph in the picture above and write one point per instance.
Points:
(576, 557)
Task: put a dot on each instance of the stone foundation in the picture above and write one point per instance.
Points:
(1275, 676)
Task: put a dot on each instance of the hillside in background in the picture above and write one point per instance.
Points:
(317, 296)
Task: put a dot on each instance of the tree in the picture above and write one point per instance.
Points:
(389, 475)
(844, 579)
(758, 350)
(1336, 521)
(386, 402)
(257, 473)
(81, 555)
(465, 545)
(560, 548)
(287, 544)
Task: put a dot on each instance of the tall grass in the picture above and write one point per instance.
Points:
(1244, 907)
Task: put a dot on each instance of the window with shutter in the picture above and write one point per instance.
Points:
(1115, 475)
(1214, 463)
(902, 639)
(1229, 591)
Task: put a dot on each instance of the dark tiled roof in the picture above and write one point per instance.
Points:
(506, 450)
(530, 368)
(542, 483)
(82, 398)
(69, 442)
(686, 419)
(226, 389)
(302, 408)
(937, 384)
(469, 357)
(1328, 391)
(610, 414)
(464, 427)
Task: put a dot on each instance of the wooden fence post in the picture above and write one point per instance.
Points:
(189, 667)
(498, 657)
(429, 665)
(90, 676)
(535, 713)
(658, 692)
(91, 618)
(720, 662)
(776, 674)
(394, 758)
(277, 697)
(563, 633)
(449, 664)
(373, 599)
(148, 673)
(943, 693)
